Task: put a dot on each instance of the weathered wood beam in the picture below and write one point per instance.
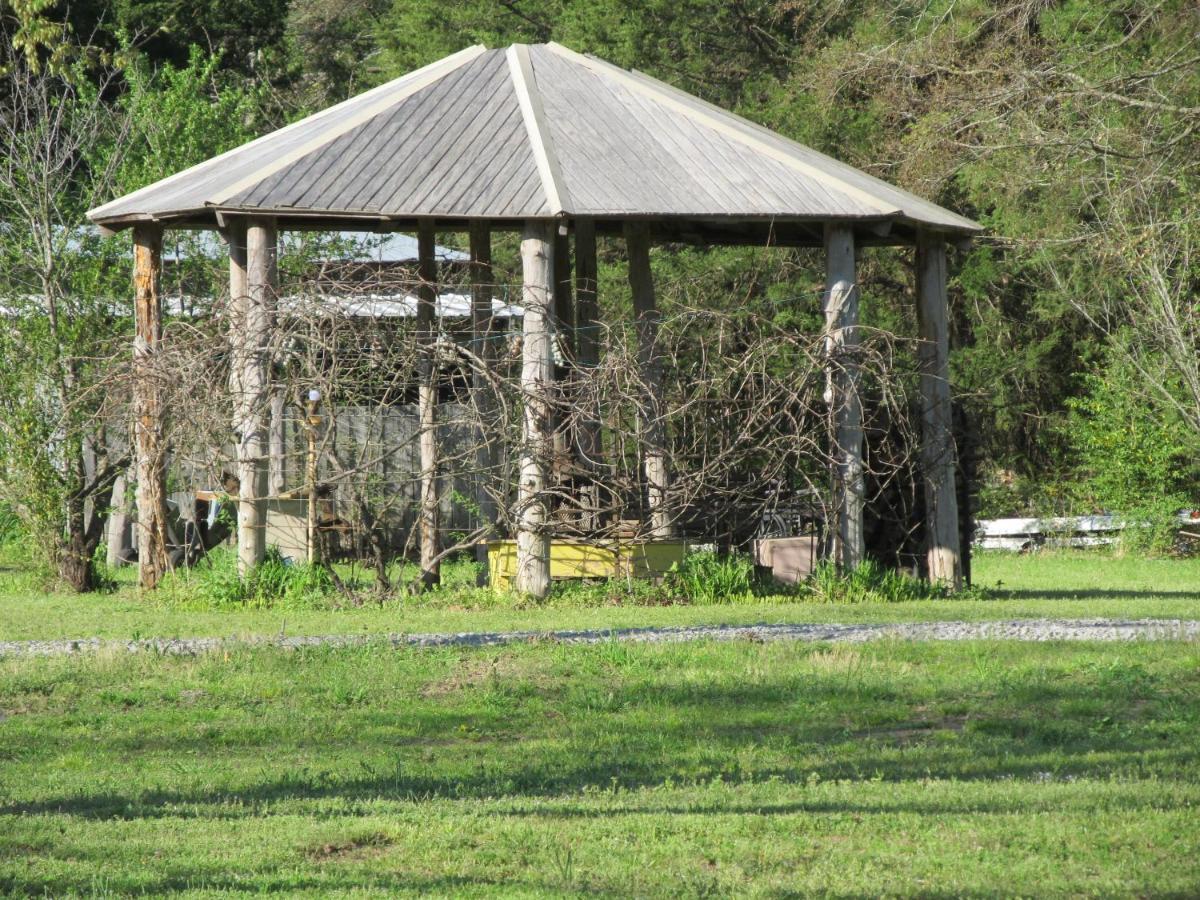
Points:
(118, 522)
(149, 440)
(537, 382)
(277, 440)
(252, 358)
(587, 332)
(427, 335)
(651, 413)
(841, 344)
(483, 345)
(937, 435)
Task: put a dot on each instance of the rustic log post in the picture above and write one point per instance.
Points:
(845, 404)
(653, 427)
(587, 323)
(118, 522)
(253, 360)
(484, 347)
(150, 449)
(277, 463)
(537, 381)
(564, 337)
(427, 293)
(937, 437)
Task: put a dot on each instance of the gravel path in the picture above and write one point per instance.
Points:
(1019, 630)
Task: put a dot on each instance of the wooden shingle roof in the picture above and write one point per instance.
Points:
(533, 131)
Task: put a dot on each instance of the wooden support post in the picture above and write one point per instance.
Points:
(427, 334)
(564, 295)
(151, 452)
(116, 529)
(312, 475)
(277, 464)
(587, 357)
(937, 436)
(845, 404)
(484, 347)
(563, 420)
(653, 426)
(253, 359)
(537, 381)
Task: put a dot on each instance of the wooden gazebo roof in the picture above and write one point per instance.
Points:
(534, 131)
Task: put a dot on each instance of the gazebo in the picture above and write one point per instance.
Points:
(559, 146)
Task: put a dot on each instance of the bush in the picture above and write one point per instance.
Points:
(869, 583)
(708, 578)
(214, 583)
(1135, 461)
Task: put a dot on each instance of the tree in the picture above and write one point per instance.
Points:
(59, 346)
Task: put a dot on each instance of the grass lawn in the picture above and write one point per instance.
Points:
(1041, 585)
(981, 768)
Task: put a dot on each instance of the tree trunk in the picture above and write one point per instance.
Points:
(75, 558)
(537, 381)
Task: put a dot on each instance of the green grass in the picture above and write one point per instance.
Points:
(1043, 585)
(970, 769)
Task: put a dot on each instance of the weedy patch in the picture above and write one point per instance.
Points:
(364, 846)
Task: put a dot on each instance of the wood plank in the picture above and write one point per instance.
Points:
(937, 435)
(651, 412)
(842, 393)
(537, 381)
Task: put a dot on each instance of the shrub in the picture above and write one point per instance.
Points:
(707, 578)
(1135, 461)
(868, 583)
(214, 583)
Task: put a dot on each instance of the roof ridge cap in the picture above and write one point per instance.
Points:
(529, 99)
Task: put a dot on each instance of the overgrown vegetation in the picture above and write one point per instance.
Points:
(275, 583)
(703, 579)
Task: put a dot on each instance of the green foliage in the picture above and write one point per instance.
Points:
(11, 529)
(1134, 461)
(868, 583)
(275, 583)
(706, 578)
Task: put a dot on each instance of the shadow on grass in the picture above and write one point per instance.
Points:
(1000, 593)
(676, 733)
